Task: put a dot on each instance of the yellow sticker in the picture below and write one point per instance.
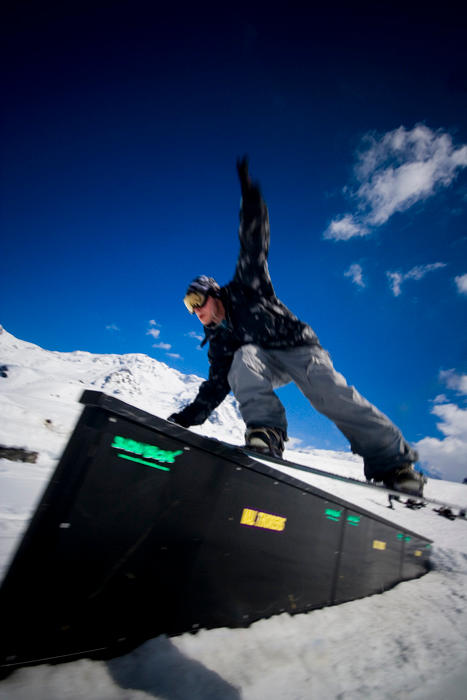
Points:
(377, 544)
(255, 518)
(248, 516)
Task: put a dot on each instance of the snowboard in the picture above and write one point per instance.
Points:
(411, 501)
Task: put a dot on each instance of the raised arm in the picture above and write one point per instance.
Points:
(252, 266)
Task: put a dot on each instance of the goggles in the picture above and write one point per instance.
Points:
(194, 300)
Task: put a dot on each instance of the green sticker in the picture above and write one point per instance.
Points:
(141, 461)
(333, 515)
(144, 452)
(401, 536)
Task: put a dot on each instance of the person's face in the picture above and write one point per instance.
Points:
(208, 312)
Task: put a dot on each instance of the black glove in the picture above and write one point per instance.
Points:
(243, 174)
(177, 418)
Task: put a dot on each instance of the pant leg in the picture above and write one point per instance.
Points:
(371, 434)
(253, 376)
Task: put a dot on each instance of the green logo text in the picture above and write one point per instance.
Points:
(145, 451)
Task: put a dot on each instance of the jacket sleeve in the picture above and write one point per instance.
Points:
(210, 394)
(252, 266)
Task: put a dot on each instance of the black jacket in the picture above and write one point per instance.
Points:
(253, 312)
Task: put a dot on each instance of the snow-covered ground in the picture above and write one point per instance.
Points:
(410, 642)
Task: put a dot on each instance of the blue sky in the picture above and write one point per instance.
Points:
(120, 131)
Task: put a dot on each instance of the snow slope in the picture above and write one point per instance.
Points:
(410, 642)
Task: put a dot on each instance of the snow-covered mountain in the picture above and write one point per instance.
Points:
(410, 642)
(39, 385)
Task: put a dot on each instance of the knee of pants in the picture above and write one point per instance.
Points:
(246, 356)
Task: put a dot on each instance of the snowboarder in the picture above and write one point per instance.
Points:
(256, 344)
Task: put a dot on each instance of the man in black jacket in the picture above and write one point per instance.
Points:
(256, 344)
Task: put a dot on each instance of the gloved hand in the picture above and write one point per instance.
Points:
(177, 418)
(243, 174)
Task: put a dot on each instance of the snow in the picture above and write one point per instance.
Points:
(409, 642)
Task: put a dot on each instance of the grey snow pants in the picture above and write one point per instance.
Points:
(256, 372)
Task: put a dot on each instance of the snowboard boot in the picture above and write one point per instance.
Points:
(406, 480)
(267, 441)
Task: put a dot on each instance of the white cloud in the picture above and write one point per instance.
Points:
(457, 382)
(453, 422)
(441, 398)
(155, 332)
(355, 273)
(448, 455)
(112, 327)
(195, 336)
(416, 273)
(393, 172)
(294, 443)
(395, 280)
(174, 355)
(345, 228)
(461, 283)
